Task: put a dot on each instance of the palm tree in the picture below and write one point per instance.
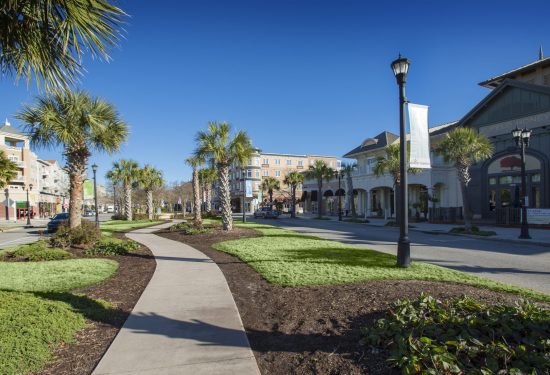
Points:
(150, 179)
(216, 146)
(270, 184)
(347, 169)
(195, 162)
(390, 164)
(464, 147)
(46, 39)
(78, 123)
(207, 177)
(8, 169)
(127, 172)
(293, 179)
(319, 171)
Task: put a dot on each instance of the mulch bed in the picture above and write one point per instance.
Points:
(123, 291)
(314, 330)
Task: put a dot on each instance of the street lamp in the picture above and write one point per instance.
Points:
(339, 195)
(94, 169)
(244, 195)
(7, 192)
(400, 69)
(522, 140)
(29, 187)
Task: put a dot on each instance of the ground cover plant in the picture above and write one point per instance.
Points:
(120, 226)
(292, 259)
(475, 231)
(190, 229)
(464, 336)
(35, 252)
(111, 246)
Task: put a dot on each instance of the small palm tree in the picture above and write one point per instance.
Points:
(8, 169)
(464, 147)
(195, 162)
(293, 180)
(319, 171)
(347, 170)
(46, 39)
(150, 179)
(270, 184)
(207, 177)
(78, 123)
(216, 146)
(127, 172)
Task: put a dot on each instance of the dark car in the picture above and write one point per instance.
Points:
(57, 220)
(266, 213)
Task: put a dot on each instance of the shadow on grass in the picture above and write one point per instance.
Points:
(92, 309)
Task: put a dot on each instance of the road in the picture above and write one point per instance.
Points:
(512, 263)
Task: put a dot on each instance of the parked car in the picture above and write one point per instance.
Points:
(89, 213)
(57, 220)
(266, 213)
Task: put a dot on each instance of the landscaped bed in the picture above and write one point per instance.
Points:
(301, 324)
(73, 307)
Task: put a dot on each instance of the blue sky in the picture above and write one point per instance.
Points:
(299, 76)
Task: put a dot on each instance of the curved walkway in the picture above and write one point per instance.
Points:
(186, 321)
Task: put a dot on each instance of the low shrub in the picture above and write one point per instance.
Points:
(361, 221)
(38, 252)
(464, 336)
(86, 234)
(190, 229)
(475, 231)
(113, 246)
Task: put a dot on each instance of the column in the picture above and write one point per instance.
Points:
(369, 203)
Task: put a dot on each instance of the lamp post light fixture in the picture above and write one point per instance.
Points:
(400, 69)
(339, 195)
(521, 137)
(94, 169)
(29, 187)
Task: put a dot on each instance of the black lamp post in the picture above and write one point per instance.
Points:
(339, 196)
(29, 187)
(7, 192)
(522, 141)
(94, 169)
(244, 195)
(400, 69)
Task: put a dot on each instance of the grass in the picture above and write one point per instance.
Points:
(59, 275)
(32, 325)
(288, 258)
(117, 226)
(475, 231)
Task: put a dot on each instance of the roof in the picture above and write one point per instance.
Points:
(495, 81)
(380, 141)
(12, 130)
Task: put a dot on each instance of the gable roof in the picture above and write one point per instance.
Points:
(506, 83)
(380, 141)
(495, 81)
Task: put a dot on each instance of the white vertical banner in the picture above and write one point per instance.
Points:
(420, 137)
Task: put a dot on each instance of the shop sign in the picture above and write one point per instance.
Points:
(539, 216)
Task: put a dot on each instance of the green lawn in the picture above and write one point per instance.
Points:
(289, 258)
(112, 226)
(60, 275)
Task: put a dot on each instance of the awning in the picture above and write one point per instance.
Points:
(314, 196)
(328, 193)
(340, 193)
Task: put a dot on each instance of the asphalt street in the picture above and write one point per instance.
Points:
(525, 265)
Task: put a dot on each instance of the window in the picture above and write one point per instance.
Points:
(266, 173)
(505, 180)
(249, 173)
(277, 173)
(300, 163)
(288, 162)
(256, 162)
(492, 180)
(277, 161)
(266, 161)
(257, 174)
(371, 162)
(535, 177)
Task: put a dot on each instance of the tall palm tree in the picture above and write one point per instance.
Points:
(46, 39)
(195, 162)
(270, 184)
(217, 146)
(347, 169)
(150, 179)
(319, 171)
(207, 177)
(79, 123)
(127, 172)
(391, 164)
(464, 147)
(293, 179)
(8, 169)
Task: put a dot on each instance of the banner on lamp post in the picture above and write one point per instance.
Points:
(88, 189)
(420, 137)
(248, 188)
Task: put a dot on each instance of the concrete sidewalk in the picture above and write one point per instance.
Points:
(507, 234)
(186, 321)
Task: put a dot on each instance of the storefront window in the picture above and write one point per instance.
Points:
(505, 180)
(516, 179)
(492, 200)
(492, 180)
(535, 177)
(505, 197)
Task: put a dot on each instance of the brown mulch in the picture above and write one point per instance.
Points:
(123, 291)
(314, 330)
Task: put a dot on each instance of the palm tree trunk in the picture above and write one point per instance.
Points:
(293, 213)
(197, 217)
(270, 196)
(128, 201)
(150, 204)
(464, 177)
(77, 161)
(207, 197)
(351, 197)
(320, 198)
(225, 197)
